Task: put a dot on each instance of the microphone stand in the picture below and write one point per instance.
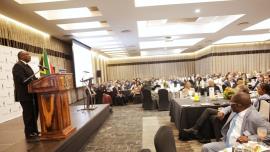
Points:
(89, 105)
(31, 77)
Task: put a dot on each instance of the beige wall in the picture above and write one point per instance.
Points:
(213, 63)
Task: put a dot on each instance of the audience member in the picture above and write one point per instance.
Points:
(241, 124)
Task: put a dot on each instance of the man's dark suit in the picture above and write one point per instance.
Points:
(228, 84)
(21, 72)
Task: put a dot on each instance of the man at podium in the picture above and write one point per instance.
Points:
(22, 76)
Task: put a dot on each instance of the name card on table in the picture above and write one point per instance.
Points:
(211, 92)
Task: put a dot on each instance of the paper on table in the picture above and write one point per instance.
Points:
(186, 105)
(206, 104)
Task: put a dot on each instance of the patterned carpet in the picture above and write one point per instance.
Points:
(130, 128)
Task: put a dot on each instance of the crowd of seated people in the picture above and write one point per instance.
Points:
(241, 105)
(125, 91)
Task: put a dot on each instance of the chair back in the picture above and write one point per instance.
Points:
(148, 103)
(106, 99)
(163, 99)
(164, 140)
(264, 109)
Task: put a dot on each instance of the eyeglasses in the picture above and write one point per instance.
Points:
(232, 103)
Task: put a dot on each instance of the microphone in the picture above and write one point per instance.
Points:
(43, 67)
(86, 72)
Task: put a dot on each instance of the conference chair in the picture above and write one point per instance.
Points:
(106, 99)
(164, 140)
(148, 103)
(264, 109)
(163, 103)
(137, 98)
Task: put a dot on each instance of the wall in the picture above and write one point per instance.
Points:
(245, 57)
(8, 108)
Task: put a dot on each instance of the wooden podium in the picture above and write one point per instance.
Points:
(53, 105)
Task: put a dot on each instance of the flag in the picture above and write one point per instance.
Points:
(44, 61)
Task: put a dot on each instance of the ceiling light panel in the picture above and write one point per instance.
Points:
(37, 1)
(244, 38)
(165, 44)
(113, 49)
(82, 25)
(97, 39)
(144, 3)
(66, 13)
(259, 26)
(162, 52)
(91, 33)
(210, 24)
(116, 53)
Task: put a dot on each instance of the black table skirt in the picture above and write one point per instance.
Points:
(186, 116)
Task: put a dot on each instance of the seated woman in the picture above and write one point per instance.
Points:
(187, 90)
(264, 94)
(136, 92)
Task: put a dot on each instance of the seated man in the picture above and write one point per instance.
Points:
(241, 124)
(220, 114)
(205, 115)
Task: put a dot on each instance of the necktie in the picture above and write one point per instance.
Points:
(232, 126)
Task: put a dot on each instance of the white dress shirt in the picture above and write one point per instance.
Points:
(235, 133)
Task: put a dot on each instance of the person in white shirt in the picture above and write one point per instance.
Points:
(241, 125)
(264, 94)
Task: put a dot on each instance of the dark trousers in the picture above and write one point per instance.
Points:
(30, 116)
(216, 123)
(205, 115)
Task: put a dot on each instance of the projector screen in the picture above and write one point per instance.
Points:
(82, 63)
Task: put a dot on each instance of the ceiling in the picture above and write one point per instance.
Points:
(150, 30)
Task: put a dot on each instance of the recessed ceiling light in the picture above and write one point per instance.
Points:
(36, 1)
(82, 25)
(197, 11)
(162, 44)
(68, 13)
(97, 39)
(265, 24)
(116, 53)
(144, 3)
(113, 49)
(211, 24)
(92, 33)
(244, 38)
(162, 52)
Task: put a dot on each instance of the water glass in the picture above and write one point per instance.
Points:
(262, 133)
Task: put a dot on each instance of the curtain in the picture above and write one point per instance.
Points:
(245, 57)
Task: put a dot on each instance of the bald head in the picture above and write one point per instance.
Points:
(240, 101)
(211, 83)
(25, 56)
(243, 88)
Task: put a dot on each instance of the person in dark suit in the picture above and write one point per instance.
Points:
(230, 82)
(21, 71)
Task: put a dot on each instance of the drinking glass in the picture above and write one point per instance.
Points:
(262, 133)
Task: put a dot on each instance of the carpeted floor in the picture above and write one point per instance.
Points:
(130, 128)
